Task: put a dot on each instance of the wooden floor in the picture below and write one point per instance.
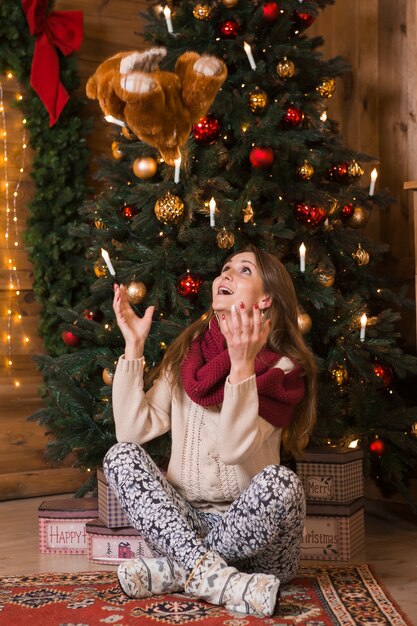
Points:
(391, 548)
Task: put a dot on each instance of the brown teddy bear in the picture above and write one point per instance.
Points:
(158, 107)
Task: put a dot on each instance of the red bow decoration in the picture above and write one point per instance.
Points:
(61, 29)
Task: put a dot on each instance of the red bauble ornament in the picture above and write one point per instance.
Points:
(95, 316)
(339, 173)
(229, 29)
(310, 214)
(69, 338)
(128, 212)
(347, 210)
(188, 285)
(377, 447)
(261, 157)
(303, 20)
(207, 129)
(293, 117)
(271, 11)
(384, 373)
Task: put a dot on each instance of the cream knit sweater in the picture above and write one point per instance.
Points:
(216, 450)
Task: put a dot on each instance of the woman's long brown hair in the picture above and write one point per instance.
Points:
(284, 338)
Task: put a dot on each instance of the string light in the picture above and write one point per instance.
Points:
(10, 193)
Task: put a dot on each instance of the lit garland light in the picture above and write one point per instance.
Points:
(11, 238)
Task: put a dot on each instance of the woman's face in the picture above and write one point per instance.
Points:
(239, 281)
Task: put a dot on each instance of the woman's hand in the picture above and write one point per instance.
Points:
(134, 329)
(245, 336)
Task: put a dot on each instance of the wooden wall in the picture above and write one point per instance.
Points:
(375, 105)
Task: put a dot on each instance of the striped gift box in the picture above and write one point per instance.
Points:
(109, 510)
(333, 475)
(333, 532)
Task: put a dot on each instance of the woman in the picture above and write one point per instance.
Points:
(231, 387)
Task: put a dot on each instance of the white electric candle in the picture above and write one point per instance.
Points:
(212, 205)
(177, 163)
(167, 13)
(374, 176)
(249, 54)
(364, 319)
(302, 258)
(107, 261)
(113, 120)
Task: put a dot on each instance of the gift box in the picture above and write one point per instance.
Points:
(333, 475)
(109, 510)
(333, 532)
(113, 546)
(62, 525)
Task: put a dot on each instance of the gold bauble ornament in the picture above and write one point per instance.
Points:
(414, 429)
(136, 292)
(99, 224)
(116, 150)
(230, 4)
(359, 217)
(325, 276)
(225, 239)
(144, 167)
(100, 268)
(257, 100)
(162, 345)
(107, 376)
(361, 256)
(339, 373)
(355, 170)
(327, 87)
(304, 321)
(169, 209)
(202, 11)
(305, 171)
(127, 134)
(285, 68)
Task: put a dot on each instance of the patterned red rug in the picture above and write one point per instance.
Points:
(319, 596)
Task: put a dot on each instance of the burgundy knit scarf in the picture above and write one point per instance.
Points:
(207, 365)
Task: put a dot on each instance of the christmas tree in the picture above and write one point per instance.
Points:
(264, 167)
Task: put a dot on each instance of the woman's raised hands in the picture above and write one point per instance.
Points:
(134, 329)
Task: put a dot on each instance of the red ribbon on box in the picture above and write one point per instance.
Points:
(59, 29)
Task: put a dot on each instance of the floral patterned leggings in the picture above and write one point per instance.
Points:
(261, 531)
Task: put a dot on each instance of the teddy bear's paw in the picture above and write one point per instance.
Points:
(207, 65)
(170, 155)
(146, 61)
(137, 83)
